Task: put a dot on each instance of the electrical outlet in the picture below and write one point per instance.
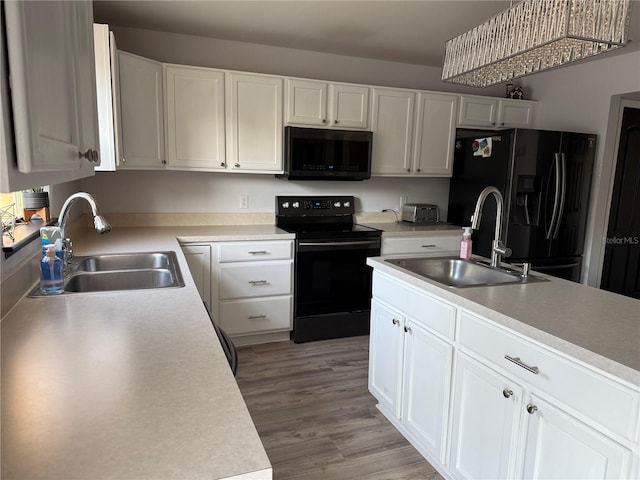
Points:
(244, 201)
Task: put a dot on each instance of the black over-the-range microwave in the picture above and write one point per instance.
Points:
(326, 154)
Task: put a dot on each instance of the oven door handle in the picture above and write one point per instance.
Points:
(351, 245)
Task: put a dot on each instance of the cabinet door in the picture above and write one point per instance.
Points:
(254, 123)
(478, 111)
(195, 118)
(435, 134)
(485, 417)
(52, 99)
(427, 381)
(349, 107)
(142, 112)
(559, 446)
(306, 102)
(199, 261)
(108, 91)
(386, 341)
(515, 113)
(392, 125)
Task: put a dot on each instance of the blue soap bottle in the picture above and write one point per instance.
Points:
(51, 272)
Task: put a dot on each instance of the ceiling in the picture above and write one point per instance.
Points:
(400, 31)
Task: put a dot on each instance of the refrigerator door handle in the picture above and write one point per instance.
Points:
(556, 200)
(563, 189)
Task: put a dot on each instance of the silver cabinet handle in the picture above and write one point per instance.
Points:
(324, 120)
(335, 122)
(520, 363)
(506, 393)
(164, 162)
(222, 164)
(258, 282)
(395, 322)
(431, 245)
(256, 317)
(407, 329)
(531, 409)
(237, 165)
(258, 252)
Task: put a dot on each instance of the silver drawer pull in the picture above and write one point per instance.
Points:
(520, 363)
(255, 317)
(531, 409)
(259, 252)
(258, 282)
(431, 245)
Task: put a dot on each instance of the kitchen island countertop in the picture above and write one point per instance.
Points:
(599, 328)
(129, 384)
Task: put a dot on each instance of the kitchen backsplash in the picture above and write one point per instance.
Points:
(171, 192)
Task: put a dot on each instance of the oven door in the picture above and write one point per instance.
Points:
(332, 275)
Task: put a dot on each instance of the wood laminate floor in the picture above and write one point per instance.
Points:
(316, 417)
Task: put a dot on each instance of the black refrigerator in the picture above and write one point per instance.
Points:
(545, 179)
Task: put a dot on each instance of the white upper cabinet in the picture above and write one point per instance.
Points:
(306, 102)
(108, 91)
(337, 105)
(52, 92)
(435, 134)
(141, 112)
(414, 133)
(195, 118)
(254, 119)
(478, 111)
(392, 117)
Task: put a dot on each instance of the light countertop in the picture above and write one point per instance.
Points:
(599, 328)
(125, 385)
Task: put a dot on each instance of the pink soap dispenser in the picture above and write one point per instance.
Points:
(465, 244)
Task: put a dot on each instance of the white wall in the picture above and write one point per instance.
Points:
(582, 98)
(250, 57)
(197, 192)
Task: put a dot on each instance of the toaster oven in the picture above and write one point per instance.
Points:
(420, 213)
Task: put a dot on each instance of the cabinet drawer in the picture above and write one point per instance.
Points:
(255, 251)
(264, 279)
(421, 307)
(427, 245)
(256, 315)
(599, 398)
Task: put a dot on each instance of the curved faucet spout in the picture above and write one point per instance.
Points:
(100, 223)
(498, 249)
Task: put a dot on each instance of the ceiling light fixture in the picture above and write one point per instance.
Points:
(535, 35)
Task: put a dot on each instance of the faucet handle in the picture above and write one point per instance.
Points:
(67, 251)
(500, 248)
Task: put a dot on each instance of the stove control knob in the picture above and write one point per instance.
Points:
(346, 204)
(296, 204)
(285, 204)
(336, 204)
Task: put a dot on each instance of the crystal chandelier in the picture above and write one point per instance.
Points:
(535, 35)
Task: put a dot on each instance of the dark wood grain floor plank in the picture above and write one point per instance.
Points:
(316, 417)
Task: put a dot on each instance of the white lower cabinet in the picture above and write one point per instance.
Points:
(410, 367)
(559, 446)
(485, 419)
(428, 245)
(199, 260)
(252, 289)
(510, 408)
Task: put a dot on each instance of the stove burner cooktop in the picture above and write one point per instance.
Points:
(320, 217)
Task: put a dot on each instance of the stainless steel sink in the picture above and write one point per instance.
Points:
(459, 273)
(121, 271)
(126, 261)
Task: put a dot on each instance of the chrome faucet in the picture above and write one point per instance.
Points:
(100, 223)
(498, 249)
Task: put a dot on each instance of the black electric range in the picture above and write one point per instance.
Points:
(332, 283)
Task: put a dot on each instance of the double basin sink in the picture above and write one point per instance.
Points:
(454, 272)
(122, 271)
